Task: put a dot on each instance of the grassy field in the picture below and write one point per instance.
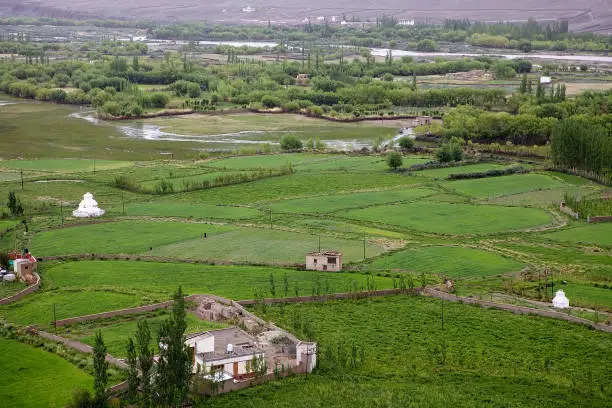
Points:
(330, 203)
(87, 287)
(587, 295)
(7, 224)
(479, 357)
(599, 234)
(455, 219)
(185, 183)
(190, 210)
(299, 184)
(273, 126)
(503, 186)
(50, 379)
(124, 237)
(65, 165)
(260, 245)
(454, 262)
(116, 333)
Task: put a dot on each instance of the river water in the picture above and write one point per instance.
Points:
(381, 52)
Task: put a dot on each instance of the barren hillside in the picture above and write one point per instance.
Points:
(591, 15)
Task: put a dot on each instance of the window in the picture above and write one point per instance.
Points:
(331, 260)
(217, 368)
(315, 261)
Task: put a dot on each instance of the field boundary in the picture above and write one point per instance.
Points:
(30, 289)
(517, 309)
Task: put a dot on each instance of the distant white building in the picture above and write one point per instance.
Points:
(545, 80)
(560, 301)
(248, 9)
(406, 23)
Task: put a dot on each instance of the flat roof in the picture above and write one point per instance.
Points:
(242, 342)
(325, 253)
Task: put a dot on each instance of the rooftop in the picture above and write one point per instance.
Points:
(325, 253)
(242, 342)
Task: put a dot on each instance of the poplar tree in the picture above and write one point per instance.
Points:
(100, 366)
(145, 360)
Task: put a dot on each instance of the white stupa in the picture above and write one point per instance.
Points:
(88, 208)
(560, 301)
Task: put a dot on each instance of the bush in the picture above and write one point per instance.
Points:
(291, 142)
(406, 143)
(394, 160)
(449, 152)
(159, 100)
(427, 45)
(270, 102)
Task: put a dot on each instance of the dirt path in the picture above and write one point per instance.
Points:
(517, 309)
(77, 345)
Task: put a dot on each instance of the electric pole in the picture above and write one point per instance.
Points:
(22, 179)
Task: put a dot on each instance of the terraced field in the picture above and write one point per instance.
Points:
(452, 261)
(585, 234)
(454, 219)
(503, 186)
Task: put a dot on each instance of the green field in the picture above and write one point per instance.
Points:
(447, 171)
(271, 161)
(455, 219)
(453, 262)
(124, 237)
(261, 245)
(186, 183)
(7, 224)
(479, 357)
(65, 165)
(190, 210)
(503, 186)
(116, 334)
(587, 295)
(331, 203)
(32, 377)
(87, 287)
(599, 234)
(273, 127)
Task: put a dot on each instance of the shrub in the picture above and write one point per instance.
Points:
(290, 142)
(406, 143)
(394, 160)
(450, 152)
(270, 102)
(159, 100)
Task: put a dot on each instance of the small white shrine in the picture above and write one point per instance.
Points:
(560, 301)
(88, 208)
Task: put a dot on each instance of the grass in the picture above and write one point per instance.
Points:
(11, 288)
(185, 183)
(336, 202)
(32, 377)
(502, 186)
(5, 225)
(88, 287)
(124, 237)
(189, 210)
(479, 358)
(273, 126)
(587, 295)
(261, 245)
(116, 334)
(451, 261)
(65, 165)
(598, 234)
(456, 219)
(300, 184)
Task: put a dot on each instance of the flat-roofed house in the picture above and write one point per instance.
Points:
(330, 261)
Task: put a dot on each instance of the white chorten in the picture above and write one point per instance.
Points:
(560, 301)
(88, 208)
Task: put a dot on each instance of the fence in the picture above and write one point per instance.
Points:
(565, 209)
(32, 288)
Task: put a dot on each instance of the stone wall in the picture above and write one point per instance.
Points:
(322, 298)
(121, 312)
(593, 220)
(30, 289)
(565, 209)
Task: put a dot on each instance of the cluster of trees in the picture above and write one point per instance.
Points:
(579, 143)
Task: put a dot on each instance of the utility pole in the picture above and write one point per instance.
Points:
(319, 243)
(442, 314)
(94, 167)
(270, 218)
(22, 179)
(122, 203)
(62, 212)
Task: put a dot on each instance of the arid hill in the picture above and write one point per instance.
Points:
(584, 15)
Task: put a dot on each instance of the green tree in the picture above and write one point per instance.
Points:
(145, 361)
(174, 364)
(14, 205)
(406, 143)
(394, 160)
(427, 45)
(132, 375)
(100, 366)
